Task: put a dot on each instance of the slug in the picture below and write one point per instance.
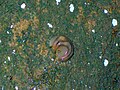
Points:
(63, 47)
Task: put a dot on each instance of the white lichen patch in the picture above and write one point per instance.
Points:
(5, 76)
(3, 88)
(11, 26)
(52, 59)
(116, 44)
(16, 87)
(71, 7)
(114, 22)
(13, 52)
(89, 87)
(23, 5)
(106, 62)
(87, 3)
(8, 32)
(105, 11)
(50, 25)
(23, 40)
(88, 63)
(93, 31)
(34, 88)
(5, 62)
(58, 1)
(100, 57)
(85, 85)
(8, 58)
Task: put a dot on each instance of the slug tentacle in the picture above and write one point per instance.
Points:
(62, 47)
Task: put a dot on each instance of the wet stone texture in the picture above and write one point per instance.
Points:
(28, 63)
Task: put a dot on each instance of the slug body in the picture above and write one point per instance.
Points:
(62, 47)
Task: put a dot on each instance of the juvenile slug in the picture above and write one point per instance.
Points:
(62, 46)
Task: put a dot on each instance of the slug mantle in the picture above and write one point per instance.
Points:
(63, 47)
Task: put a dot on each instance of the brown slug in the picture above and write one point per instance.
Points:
(62, 46)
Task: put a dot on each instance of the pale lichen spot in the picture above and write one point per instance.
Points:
(100, 57)
(93, 31)
(13, 52)
(8, 32)
(23, 5)
(11, 26)
(105, 11)
(58, 1)
(114, 22)
(16, 87)
(88, 63)
(71, 7)
(106, 62)
(50, 25)
(87, 3)
(2, 87)
(34, 88)
(5, 62)
(85, 85)
(116, 44)
(89, 86)
(52, 59)
(8, 58)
